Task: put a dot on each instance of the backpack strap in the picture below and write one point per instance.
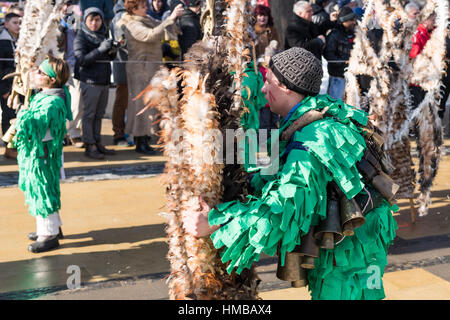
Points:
(308, 118)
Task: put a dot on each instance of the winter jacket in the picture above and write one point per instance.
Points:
(191, 29)
(302, 33)
(320, 16)
(338, 47)
(88, 67)
(7, 47)
(420, 38)
(144, 36)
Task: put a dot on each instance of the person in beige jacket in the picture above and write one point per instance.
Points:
(143, 36)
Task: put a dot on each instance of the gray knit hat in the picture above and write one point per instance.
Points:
(299, 70)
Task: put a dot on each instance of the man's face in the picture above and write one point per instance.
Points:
(349, 24)
(13, 26)
(94, 23)
(306, 13)
(274, 94)
(413, 13)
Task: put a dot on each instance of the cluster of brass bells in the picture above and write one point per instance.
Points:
(343, 215)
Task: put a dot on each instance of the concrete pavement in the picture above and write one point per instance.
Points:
(114, 234)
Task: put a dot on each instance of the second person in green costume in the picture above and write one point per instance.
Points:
(39, 140)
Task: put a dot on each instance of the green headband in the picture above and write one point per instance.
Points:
(48, 69)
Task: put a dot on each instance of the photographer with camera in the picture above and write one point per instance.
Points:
(93, 50)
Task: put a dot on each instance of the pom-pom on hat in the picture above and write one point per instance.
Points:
(299, 70)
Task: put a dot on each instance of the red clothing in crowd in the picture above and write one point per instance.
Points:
(263, 73)
(263, 3)
(420, 38)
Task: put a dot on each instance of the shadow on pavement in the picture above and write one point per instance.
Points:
(115, 236)
(30, 279)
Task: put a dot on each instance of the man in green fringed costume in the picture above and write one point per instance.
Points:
(39, 140)
(286, 205)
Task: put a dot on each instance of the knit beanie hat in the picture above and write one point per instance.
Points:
(346, 14)
(299, 70)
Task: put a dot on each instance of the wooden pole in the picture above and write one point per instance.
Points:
(413, 211)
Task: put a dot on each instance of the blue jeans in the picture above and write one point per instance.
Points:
(336, 87)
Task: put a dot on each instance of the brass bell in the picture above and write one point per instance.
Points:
(369, 156)
(366, 202)
(351, 216)
(385, 185)
(367, 170)
(378, 139)
(329, 231)
(308, 249)
(291, 271)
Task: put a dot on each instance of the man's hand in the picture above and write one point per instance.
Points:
(196, 223)
(177, 12)
(321, 37)
(6, 95)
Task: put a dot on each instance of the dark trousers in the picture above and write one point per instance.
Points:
(119, 108)
(446, 93)
(7, 115)
(95, 100)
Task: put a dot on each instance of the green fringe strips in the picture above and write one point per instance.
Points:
(355, 268)
(39, 175)
(284, 206)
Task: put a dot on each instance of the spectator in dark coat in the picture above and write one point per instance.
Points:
(8, 38)
(338, 48)
(190, 26)
(320, 16)
(92, 52)
(301, 32)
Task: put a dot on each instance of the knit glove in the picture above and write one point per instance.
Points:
(105, 46)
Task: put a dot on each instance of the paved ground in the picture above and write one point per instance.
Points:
(114, 234)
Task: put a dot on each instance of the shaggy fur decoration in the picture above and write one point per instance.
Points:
(37, 38)
(388, 96)
(193, 100)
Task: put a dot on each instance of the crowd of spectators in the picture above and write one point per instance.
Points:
(129, 39)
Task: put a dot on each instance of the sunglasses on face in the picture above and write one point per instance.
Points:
(42, 73)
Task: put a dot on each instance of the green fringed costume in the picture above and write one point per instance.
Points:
(296, 199)
(252, 96)
(40, 162)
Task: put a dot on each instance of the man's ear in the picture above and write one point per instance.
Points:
(284, 88)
